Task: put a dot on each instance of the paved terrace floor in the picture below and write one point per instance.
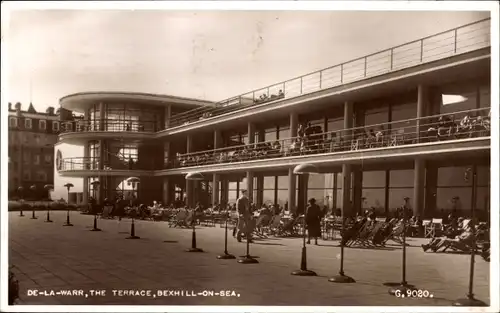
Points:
(48, 256)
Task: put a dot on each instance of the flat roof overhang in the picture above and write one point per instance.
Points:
(473, 148)
(81, 101)
(91, 173)
(82, 137)
(467, 65)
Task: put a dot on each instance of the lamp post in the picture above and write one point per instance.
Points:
(304, 169)
(68, 187)
(403, 288)
(341, 277)
(20, 190)
(133, 181)
(470, 301)
(95, 184)
(194, 176)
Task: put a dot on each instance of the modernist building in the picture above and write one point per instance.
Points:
(32, 136)
(381, 129)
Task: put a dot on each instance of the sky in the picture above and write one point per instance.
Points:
(210, 55)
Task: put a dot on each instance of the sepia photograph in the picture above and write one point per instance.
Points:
(249, 156)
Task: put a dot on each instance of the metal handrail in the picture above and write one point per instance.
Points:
(392, 62)
(383, 134)
(110, 125)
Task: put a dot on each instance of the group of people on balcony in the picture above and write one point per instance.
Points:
(265, 98)
(312, 140)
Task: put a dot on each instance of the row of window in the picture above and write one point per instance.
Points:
(40, 175)
(28, 123)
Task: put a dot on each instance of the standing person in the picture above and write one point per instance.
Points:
(313, 221)
(244, 215)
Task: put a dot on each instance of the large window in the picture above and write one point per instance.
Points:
(13, 121)
(121, 155)
(376, 116)
(405, 113)
(485, 97)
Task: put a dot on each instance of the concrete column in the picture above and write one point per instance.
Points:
(260, 190)
(250, 185)
(418, 187)
(431, 176)
(292, 191)
(85, 195)
(346, 190)
(348, 120)
(217, 139)
(166, 191)
(251, 133)
(166, 154)
(168, 114)
(294, 124)
(102, 115)
(215, 189)
(262, 135)
(357, 192)
(189, 145)
(224, 190)
(422, 104)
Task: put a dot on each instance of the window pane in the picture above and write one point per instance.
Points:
(483, 176)
(284, 133)
(373, 179)
(401, 178)
(316, 181)
(397, 195)
(452, 176)
(268, 196)
(374, 198)
(444, 196)
(318, 194)
(269, 182)
(282, 197)
(283, 182)
(377, 116)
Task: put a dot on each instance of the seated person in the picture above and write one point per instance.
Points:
(463, 241)
(281, 94)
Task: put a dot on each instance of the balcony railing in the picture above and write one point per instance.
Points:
(457, 41)
(93, 164)
(456, 126)
(109, 125)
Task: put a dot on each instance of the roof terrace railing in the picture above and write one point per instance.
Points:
(463, 39)
(109, 125)
(454, 126)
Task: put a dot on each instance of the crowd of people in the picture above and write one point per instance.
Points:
(312, 140)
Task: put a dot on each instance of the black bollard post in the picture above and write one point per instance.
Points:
(193, 237)
(247, 259)
(33, 217)
(470, 301)
(21, 212)
(48, 220)
(132, 231)
(403, 288)
(303, 271)
(226, 255)
(341, 278)
(94, 228)
(68, 223)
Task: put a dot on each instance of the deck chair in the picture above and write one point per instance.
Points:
(427, 228)
(275, 226)
(436, 227)
(397, 138)
(106, 211)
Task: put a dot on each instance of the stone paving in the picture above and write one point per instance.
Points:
(49, 257)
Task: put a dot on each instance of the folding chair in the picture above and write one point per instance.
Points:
(428, 232)
(436, 227)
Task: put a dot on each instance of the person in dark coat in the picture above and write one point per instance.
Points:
(313, 221)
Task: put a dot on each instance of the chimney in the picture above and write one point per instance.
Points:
(18, 108)
(50, 111)
(10, 106)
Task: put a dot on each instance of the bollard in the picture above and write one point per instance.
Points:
(303, 271)
(33, 217)
(21, 212)
(226, 255)
(341, 278)
(247, 259)
(132, 231)
(94, 228)
(193, 237)
(48, 220)
(68, 223)
(402, 288)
